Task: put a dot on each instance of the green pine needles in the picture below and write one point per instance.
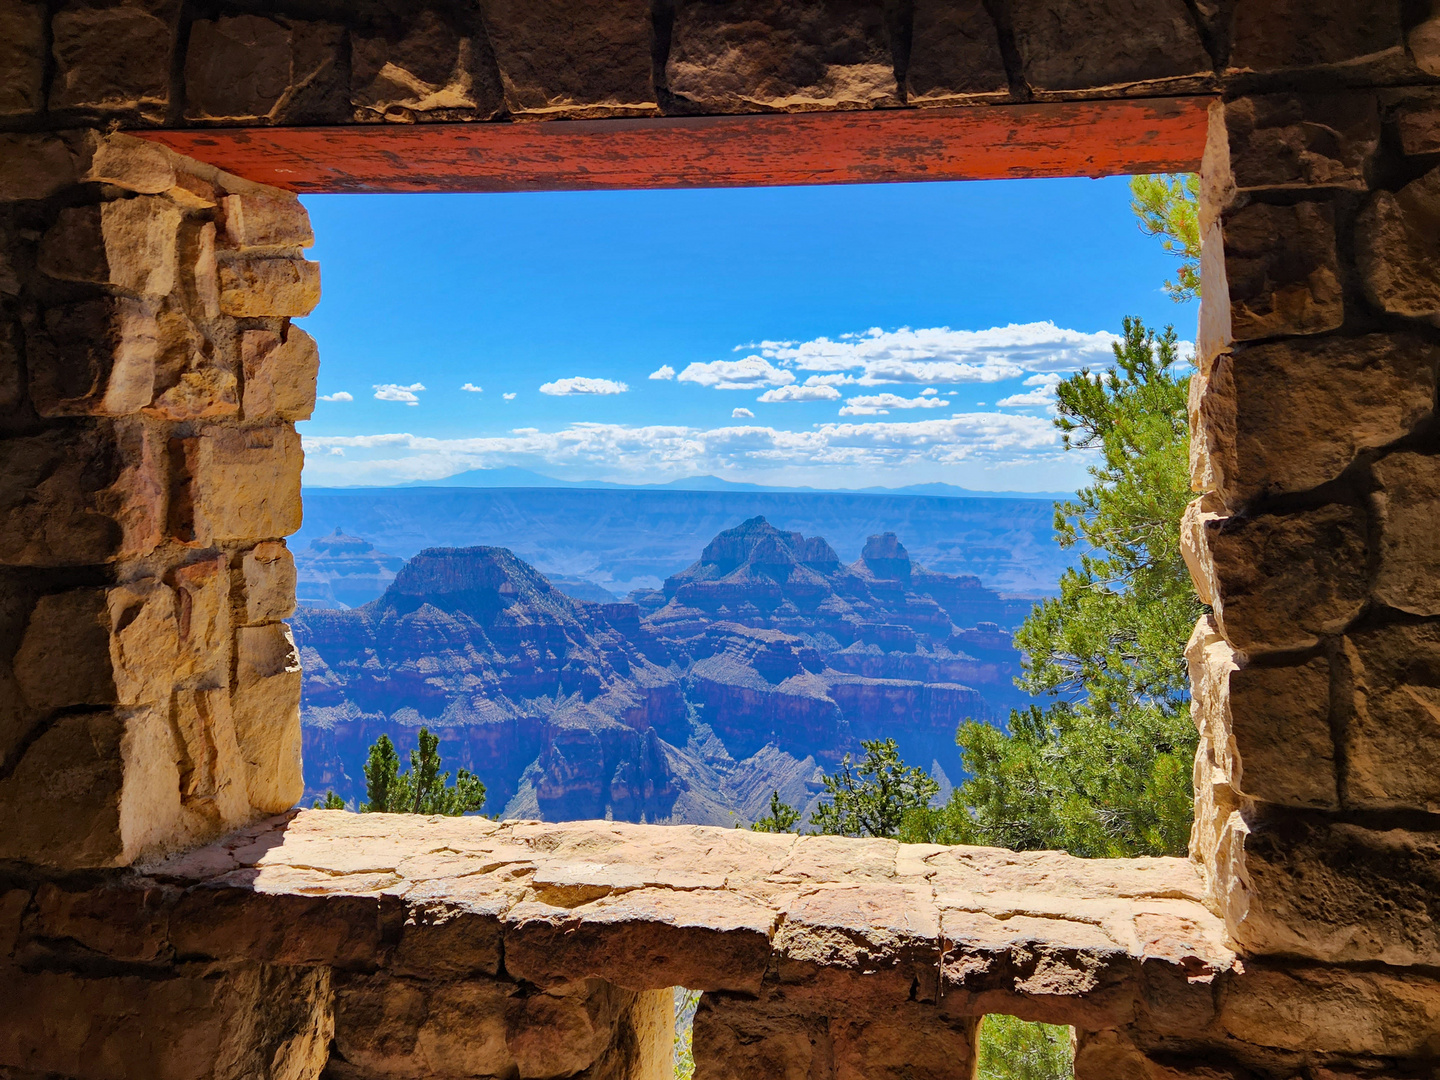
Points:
(424, 789)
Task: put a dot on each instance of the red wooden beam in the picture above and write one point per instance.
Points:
(1092, 138)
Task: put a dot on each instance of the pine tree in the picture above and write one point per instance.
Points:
(782, 817)
(874, 797)
(424, 789)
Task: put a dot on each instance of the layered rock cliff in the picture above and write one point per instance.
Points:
(767, 662)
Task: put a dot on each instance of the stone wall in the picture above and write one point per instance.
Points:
(150, 380)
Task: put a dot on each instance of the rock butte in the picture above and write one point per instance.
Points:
(151, 377)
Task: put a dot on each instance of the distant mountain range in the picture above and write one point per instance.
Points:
(512, 477)
(621, 539)
(755, 669)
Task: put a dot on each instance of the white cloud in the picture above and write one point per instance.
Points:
(751, 373)
(741, 414)
(581, 384)
(1043, 394)
(942, 355)
(470, 386)
(395, 392)
(508, 397)
(800, 393)
(929, 391)
(339, 395)
(337, 451)
(873, 404)
(664, 371)
(984, 440)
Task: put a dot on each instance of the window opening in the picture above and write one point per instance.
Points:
(734, 507)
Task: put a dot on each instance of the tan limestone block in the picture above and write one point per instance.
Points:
(207, 393)
(82, 496)
(96, 789)
(135, 164)
(266, 706)
(279, 375)
(1292, 415)
(254, 221)
(182, 1023)
(269, 574)
(1397, 240)
(22, 58)
(118, 923)
(1215, 333)
(436, 69)
(1283, 580)
(1424, 41)
(394, 1028)
(1296, 141)
(194, 192)
(95, 357)
(202, 591)
(562, 59)
(736, 1039)
(99, 647)
(33, 166)
(269, 287)
(245, 483)
(1332, 1011)
(236, 68)
(1309, 33)
(792, 55)
(113, 59)
(1282, 271)
(213, 778)
(1145, 41)
(1405, 505)
(128, 243)
(1392, 735)
(1277, 720)
(1196, 553)
(564, 1031)
(204, 271)
(954, 55)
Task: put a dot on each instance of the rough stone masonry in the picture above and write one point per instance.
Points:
(150, 378)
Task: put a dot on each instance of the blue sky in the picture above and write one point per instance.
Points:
(880, 334)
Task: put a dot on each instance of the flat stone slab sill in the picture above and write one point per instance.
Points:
(1042, 934)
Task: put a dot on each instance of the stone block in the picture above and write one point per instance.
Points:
(1144, 41)
(1332, 1010)
(561, 59)
(203, 271)
(96, 357)
(82, 496)
(12, 375)
(1281, 270)
(33, 166)
(269, 287)
(954, 54)
(268, 571)
(1392, 681)
(206, 393)
(1404, 505)
(202, 592)
(119, 923)
(1268, 727)
(128, 243)
(279, 375)
(94, 789)
(237, 68)
(1397, 247)
(22, 58)
(187, 1023)
(761, 55)
(258, 221)
(266, 707)
(113, 59)
(735, 1039)
(1337, 892)
(214, 793)
(1415, 115)
(432, 69)
(99, 647)
(245, 483)
(1424, 42)
(1292, 415)
(122, 161)
(1284, 580)
(1298, 141)
(1310, 33)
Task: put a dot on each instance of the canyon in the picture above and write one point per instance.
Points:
(756, 669)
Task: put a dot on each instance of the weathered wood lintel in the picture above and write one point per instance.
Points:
(990, 142)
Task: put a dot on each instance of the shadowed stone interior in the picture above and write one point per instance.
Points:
(150, 379)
